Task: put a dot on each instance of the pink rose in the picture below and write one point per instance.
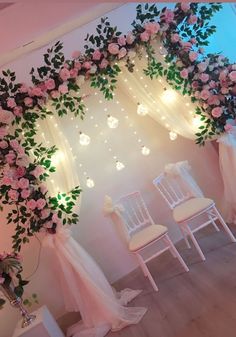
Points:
(23, 88)
(223, 75)
(195, 84)
(3, 130)
(3, 144)
(152, 27)
(193, 40)
(184, 73)
(213, 100)
(212, 84)
(43, 189)
(10, 158)
(217, 112)
(76, 54)
(2, 280)
(25, 194)
(22, 160)
(185, 6)
(50, 84)
(14, 144)
(77, 65)
(130, 38)
(169, 16)
(186, 45)
(193, 56)
(122, 40)
(228, 127)
(144, 36)
(23, 183)
(31, 204)
(73, 72)
(97, 55)
(41, 203)
(45, 213)
(11, 103)
(224, 90)
(28, 101)
(205, 94)
(232, 76)
(37, 171)
(36, 91)
(55, 218)
(113, 48)
(197, 94)
(202, 66)
(13, 195)
(63, 89)
(6, 117)
(104, 64)
(64, 74)
(86, 65)
(55, 94)
(204, 77)
(20, 171)
(192, 19)
(6, 181)
(18, 111)
(175, 38)
(122, 53)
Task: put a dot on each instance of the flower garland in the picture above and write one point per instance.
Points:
(183, 31)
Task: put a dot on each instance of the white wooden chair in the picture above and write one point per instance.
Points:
(143, 232)
(187, 209)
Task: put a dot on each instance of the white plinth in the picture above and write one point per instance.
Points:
(43, 326)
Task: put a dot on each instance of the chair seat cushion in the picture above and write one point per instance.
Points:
(190, 208)
(145, 236)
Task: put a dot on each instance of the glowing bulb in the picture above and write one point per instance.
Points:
(57, 158)
(119, 165)
(112, 122)
(90, 183)
(196, 122)
(145, 151)
(142, 110)
(173, 135)
(84, 139)
(168, 96)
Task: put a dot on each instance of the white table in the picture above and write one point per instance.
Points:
(43, 326)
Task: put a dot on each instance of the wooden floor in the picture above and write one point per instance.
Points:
(201, 303)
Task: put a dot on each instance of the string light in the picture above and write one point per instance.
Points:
(90, 183)
(142, 110)
(119, 166)
(145, 151)
(57, 158)
(84, 139)
(112, 122)
(168, 96)
(173, 135)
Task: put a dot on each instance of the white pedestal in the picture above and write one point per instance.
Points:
(43, 326)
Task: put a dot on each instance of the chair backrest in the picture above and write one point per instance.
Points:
(135, 214)
(171, 190)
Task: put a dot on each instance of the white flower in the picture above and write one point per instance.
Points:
(80, 80)
(93, 69)
(131, 54)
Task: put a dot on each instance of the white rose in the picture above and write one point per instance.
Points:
(80, 80)
(93, 69)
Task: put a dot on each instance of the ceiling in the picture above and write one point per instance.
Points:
(26, 25)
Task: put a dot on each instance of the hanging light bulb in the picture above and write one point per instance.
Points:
(119, 165)
(90, 183)
(173, 135)
(112, 122)
(142, 110)
(168, 96)
(145, 151)
(84, 139)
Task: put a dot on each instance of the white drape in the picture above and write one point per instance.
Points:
(85, 289)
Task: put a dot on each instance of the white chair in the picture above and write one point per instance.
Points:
(143, 232)
(187, 209)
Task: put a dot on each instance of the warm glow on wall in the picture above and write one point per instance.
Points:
(168, 96)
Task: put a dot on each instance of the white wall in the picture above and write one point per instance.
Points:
(94, 232)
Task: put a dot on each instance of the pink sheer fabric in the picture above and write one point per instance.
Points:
(227, 160)
(86, 289)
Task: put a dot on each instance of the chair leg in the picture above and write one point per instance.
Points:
(175, 252)
(184, 236)
(146, 271)
(196, 244)
(213, 222)
(226, 228)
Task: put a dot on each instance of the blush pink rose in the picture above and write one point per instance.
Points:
(184, 73)
(212, 84)
(169, 16)
(63, 89)
(2, 280)
(31, 204)
(97, 55)
(6, 181)
(232, 76)
(73, 72)
(23, 183)
(195, 84)
(205, 94)
(76, 54)
(193, 40)
(192, 19)
(6, 117)
(18, 111)
(41, 203)
(204, 77)
(22, 160)
(186, 45)
(50, 84)
(36, 91)
(14, 144)
(64, 74)
(20, 171)
(224, 90)
(28, 101)
(104, 64)
(213, 100)
(55, 218)
(130, 38)
(144, 36)
(10, 157)
(3, 144)
(45, 213)
(87, 65)
(11, 103)
(37, 171)
(23, 88)
(13, 195)
(43, 188)
(185, 6)
(25, 193)
(122, 40)
(77, 65)
(193, 56)
(175, 38)
(228, 127)
(113, 48)
(55, 94)
(122, 53)
(3, 130)
(217, 112)
(152, 27)
(202, 66)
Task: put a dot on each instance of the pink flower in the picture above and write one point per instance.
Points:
(3, 130)
(36, 91)
(63, 89)
(97, 55)
(122, 40)
(233, 90)
(6, 181)
(55, 94)
(28, 101)
(64, 74)
(103, 64)
(73, 72)
(13, 195)
(45, 213)
(204, 77)
(41, 203)
(213, 100)
(232, 76)
(217, 112)
(31, 204)
(20, 171)
(2, 280)
(201, 50)
(130, 38)
(76, 54)
(224, 90)
(193, 40)
(18, 111)
(23, 183)
(10, 157)
(6, 117)
(228, 127)
(184, 73)
(55, 218)
(169, 16)
(192, 19)
(193, 56)
(77, 65)
(86, 65)
(185, 6)
(11, 103)
(202, 66)
(50, 84)
(14, 144)
(212, 84)
(122, 53)
(175, 38)
(37, 171)
(22, 160)
(223, 75)
(144, 36)
(25, 194)
(3, 144)
(195, 84)
(43, 188)
(113, 48)
(186, 45)
(152, 27)
(205, 94)
(23, 88)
